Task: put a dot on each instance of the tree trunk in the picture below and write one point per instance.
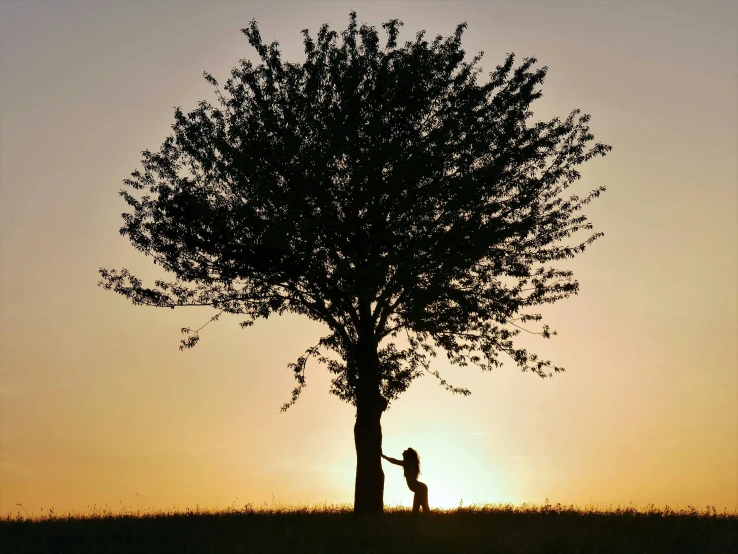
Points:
(369, 488)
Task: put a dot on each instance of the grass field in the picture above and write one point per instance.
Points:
(334, 529)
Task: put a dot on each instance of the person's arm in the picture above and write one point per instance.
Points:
(392, 460)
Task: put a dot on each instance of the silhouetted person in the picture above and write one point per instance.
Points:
(411, 465)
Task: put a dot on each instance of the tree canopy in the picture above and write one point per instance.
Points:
(385, 191)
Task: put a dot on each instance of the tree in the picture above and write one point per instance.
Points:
(382, 191)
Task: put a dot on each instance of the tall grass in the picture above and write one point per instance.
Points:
(109, 512)
(334, 528)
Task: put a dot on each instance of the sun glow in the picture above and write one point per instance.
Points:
(444, 495)
(455, 471)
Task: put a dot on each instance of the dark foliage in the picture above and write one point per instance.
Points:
(382, 191)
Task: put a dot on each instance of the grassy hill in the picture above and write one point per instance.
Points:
(494, 529)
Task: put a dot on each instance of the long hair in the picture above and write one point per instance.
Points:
(411, 458)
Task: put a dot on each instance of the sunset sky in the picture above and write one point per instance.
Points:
(98, 405)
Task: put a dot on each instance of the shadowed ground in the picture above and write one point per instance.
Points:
(485, 529)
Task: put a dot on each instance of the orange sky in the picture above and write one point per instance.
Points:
(98, 406)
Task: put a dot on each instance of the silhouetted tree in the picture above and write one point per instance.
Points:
(382, 191)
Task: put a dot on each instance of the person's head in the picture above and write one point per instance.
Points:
(412, 457)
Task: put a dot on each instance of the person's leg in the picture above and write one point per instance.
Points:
(424, 500)
(416, 502)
